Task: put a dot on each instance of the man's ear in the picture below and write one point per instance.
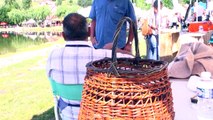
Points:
(63, 35)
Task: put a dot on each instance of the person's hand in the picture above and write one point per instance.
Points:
(154, 28)
(108, 46)
(93, 40)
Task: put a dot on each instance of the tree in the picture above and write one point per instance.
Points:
(26, 4)
(16, 16)
(8, 6)
(192, 1)
(38, 13)
(70, 1)
(3, 14)
(168, 3)
(58, 2)
(62, 11)
(142, 4)
(186, 1)
(84, 3)
(12, 4)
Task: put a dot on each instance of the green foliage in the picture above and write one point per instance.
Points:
(145, 6)
(142, 4)
(186, 1)
(9, 11)
(17, 16)
(4, 10)
(3, 14)
(192, 1)
(38, 13)
(62, 11)
(26, 4)
(70, 1)
(168, 3)
(25, 86)
(12, 4)
(84, 3)
(58, 2)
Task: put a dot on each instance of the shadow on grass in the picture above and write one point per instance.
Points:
(47, 115)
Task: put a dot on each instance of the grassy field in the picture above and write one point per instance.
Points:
(25, 92)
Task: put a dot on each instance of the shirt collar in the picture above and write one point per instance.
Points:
(79, 43)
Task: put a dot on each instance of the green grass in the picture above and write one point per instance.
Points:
(142, 45)
(25, 91)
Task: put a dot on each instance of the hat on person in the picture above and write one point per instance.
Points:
(211, 39)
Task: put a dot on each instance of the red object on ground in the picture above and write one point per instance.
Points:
(3, 23)
(211, 25)
(5, 35)
(194, 26)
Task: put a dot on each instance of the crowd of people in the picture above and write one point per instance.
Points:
(196, 12)
(67, 65)
(180, 14)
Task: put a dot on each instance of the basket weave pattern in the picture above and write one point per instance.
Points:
(132, 96)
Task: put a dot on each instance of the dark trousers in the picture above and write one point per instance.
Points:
(199, 18)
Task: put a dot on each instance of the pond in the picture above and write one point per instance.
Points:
(11, 41)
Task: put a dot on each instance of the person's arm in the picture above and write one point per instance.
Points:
(109, 46)
(118, 50)
(153, 27)
(151, 20)
(48, 64)
(92, 15)
(151, 24)
(92, 32)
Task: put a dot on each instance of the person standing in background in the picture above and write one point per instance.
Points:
(105, 15)
(152, 39)
(198, 12)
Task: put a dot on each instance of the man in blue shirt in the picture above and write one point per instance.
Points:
(105, 15)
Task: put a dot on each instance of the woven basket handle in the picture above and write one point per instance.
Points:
(116, 35)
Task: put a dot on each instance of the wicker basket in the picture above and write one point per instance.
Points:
(126, 88)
